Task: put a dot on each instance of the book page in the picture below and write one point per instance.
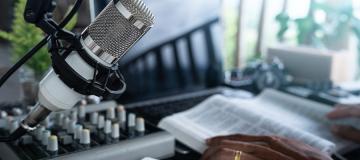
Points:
(220, 116)
(300, 113)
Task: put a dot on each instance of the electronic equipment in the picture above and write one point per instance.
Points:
(135, 141)
(260, 75)
(85, 64)
(318, 79)
(330, 95)
(91, 131)
(152, 111)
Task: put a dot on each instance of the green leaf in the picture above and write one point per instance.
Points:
(23, 37)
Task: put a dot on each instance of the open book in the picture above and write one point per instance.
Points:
(271, 113)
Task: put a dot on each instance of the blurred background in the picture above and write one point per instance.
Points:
(242, 32)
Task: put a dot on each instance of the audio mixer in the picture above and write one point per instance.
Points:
(106, 130)
(91, 130)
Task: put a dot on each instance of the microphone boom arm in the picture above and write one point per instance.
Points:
(36, 9)
(39, 12)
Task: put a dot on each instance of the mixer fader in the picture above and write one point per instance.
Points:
(88, 131)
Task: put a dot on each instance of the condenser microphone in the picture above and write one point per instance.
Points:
(116, 29)
(90, 68)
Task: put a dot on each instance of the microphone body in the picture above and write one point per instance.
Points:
(55, 94)
(116, 29)
(91, 69)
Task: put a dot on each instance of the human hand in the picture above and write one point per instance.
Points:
(346, 132)
(260, 148)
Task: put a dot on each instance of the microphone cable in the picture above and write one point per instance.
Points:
(21, 130)
(41, 44)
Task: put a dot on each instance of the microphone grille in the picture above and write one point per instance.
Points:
(140, 11)
(117, 28)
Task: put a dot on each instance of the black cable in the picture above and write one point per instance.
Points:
(34, 50)
(71, 14)
(25, 58)
(21, 131)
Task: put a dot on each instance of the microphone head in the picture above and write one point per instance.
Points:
(116, 29)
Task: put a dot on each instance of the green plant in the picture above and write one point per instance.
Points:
(230, 38)
(283, 19)
(24, 36)
(331, 33)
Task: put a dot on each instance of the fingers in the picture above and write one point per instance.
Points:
(342, 111)
(347, 132)
(223, 153)
(262, 152)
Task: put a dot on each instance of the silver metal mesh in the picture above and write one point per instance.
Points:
(139, 11)
(114, 33)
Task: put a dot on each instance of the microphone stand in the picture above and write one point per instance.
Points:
(40, 14)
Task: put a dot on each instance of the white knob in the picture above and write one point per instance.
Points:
(45, 137)
(17, 111)
(101, 122)
(140, 124)
(94, 118)
(121, 112)
(131, 120)
(82, 111)
(3, 115)
(94, 99)
(85, 136)
(52, 144)
(65, 123)
(83, 102)
(39, 132)
(110, 113)
(78, 131)
(71, 127)
(107, 128)
(115, 133)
